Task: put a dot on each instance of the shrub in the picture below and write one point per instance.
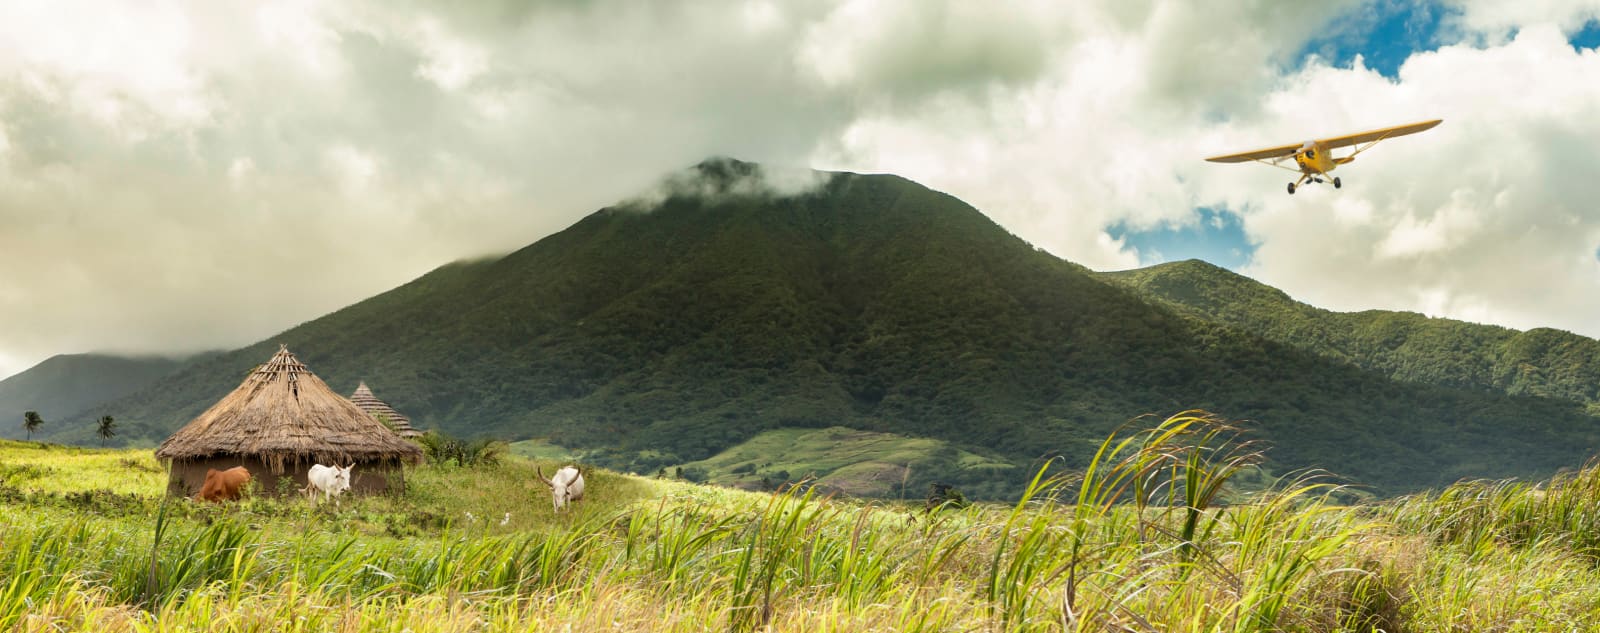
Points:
(442, 449)
(941, 496)
(693, 474)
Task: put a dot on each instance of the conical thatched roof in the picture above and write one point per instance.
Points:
(382, 411)
(283, 413)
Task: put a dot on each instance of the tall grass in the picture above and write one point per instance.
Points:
(1146, 539)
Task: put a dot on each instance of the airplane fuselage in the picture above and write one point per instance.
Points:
(1314, 158)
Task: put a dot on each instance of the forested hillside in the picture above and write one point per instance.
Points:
(655, 333)
(65, 385)
(1403, 345)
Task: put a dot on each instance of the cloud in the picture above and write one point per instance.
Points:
(910, 49)
(198, 175)
(1498, 21)
(1487, 218)
(1484, 218)
(723, 178)
(1107, 134)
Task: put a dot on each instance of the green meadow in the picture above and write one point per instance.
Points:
(1150, 537)
(861, 463)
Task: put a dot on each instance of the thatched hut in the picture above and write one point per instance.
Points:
(279, 422)
(383, 412)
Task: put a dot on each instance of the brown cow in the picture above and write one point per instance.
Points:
(224, 485)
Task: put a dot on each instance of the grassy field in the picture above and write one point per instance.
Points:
(860, 463)
(88, 543)
(541, 450)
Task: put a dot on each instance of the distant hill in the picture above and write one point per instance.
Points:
(667, 329)
(65, 385)
(1402, 345)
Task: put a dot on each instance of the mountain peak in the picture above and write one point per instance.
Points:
(720, 178)
(725, 167)
(1201, 284)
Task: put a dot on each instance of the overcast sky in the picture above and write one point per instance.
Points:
(177, 176)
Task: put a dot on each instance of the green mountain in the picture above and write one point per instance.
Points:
(65, 385)
(1401, 345)
(662, 331)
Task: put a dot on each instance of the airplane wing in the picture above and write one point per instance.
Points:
(1330, 143)
(1260, 154)
(1377, 135)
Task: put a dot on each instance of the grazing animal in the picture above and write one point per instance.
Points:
(329, 480)
(224, 485)
(566, 486)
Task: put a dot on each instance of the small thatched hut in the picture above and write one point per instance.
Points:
(383, 412)
(278, 423)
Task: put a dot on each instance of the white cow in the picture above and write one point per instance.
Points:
(567, 485)
(329, 480)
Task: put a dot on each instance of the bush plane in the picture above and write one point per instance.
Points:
(1315, 158)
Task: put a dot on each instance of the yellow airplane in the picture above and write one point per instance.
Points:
(1315, 158)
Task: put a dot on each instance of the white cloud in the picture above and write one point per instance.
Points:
(240, 172)
(1449, 228)
(1498, 19)
(910, 48)
(166, 164)
(449, 62)
(1484, 218)
(301, 32)
(354, 171)
(161, 165)
(1108, 130)
(719, 178)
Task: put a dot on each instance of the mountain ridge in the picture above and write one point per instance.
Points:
(1403, 345)
(660, 332)
(64, 385)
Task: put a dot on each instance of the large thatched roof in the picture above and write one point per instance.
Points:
(283, 413)
(382, 411)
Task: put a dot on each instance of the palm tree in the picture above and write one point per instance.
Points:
(107, 430)
(31, 422)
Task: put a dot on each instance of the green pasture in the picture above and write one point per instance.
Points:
(1140, 541)
(542, 450)
(861, 463)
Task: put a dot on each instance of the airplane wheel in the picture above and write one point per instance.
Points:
(1337, 184)
(1291, 188)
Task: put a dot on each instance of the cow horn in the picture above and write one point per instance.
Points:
(546, 480)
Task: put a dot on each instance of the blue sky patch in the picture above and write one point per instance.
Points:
(1588, 37)
(1217, 238)
(1383, 32)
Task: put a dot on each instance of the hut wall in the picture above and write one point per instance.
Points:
(371, 477)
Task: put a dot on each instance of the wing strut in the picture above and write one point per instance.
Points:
(1276, 163)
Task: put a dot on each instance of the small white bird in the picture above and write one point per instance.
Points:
(506, 520)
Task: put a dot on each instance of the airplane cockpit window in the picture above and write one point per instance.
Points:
(1311, 153)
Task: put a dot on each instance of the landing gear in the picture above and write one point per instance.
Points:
(1310, 178)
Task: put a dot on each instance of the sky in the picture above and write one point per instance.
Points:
(188, 175)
